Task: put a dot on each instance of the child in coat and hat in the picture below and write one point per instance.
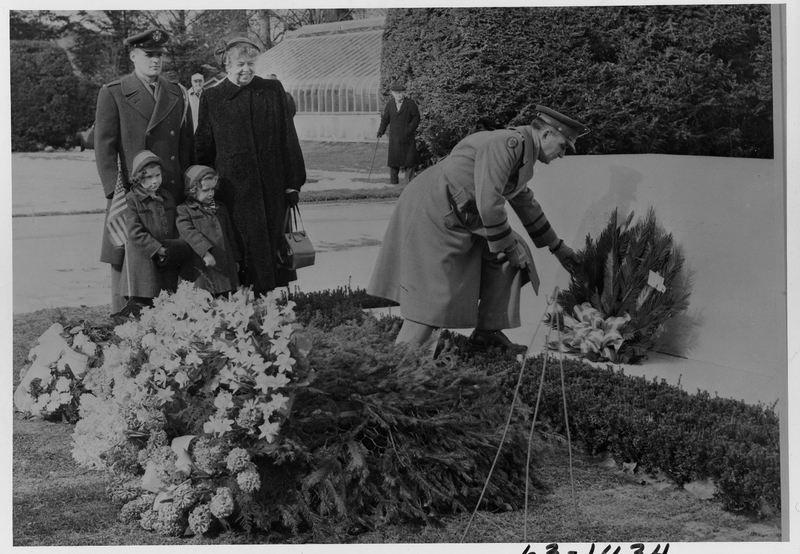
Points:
(153, 252)
(205, 225)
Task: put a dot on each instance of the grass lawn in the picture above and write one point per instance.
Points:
(57, 503)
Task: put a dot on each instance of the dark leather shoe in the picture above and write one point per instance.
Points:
(483, 340)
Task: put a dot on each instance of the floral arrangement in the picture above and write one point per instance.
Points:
(187, 396)
(51, 386)
(629, 283)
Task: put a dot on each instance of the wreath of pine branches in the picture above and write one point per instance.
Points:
(613, 278)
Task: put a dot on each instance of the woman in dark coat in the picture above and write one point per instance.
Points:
(401, 115)
(246, 133)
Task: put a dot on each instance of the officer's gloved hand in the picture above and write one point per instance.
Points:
(292, 198)
(518, 256)
(567, 256)
(379, 135)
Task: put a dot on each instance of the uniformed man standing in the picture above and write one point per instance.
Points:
(141, 111)
(450, 257)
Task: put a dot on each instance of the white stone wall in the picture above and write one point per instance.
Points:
(728, 215)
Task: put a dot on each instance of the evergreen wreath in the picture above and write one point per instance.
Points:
(616, 303)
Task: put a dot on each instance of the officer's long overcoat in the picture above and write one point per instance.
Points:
(402, 125)
(439, 254)
(247, 134)
(128, 119)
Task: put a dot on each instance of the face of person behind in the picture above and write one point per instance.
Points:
(552, 145)
(147, 64)
(241, 68)
(197, 83)
(398, 95)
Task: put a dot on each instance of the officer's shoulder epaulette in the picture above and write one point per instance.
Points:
(113, 83)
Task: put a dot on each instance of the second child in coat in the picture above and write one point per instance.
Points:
(206, 226)
(153, 252)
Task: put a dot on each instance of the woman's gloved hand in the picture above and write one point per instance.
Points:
(566, 255)
(292, 198)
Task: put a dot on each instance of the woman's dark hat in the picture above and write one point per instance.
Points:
(152, 40)
(567, 126)
(397, 87)
(230, 40)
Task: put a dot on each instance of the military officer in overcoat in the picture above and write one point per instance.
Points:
(141, 111)
(450, 257)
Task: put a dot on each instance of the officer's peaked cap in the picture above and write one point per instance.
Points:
(152, 40)
(567, 126)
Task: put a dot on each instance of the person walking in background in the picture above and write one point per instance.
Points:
(247, 134)
(205, 225)
(401, 115)
(289, 98)
(153, 252)
(140, 111)
(450, 257)
(194, 97)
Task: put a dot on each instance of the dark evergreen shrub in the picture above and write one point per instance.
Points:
(330, 308)
(49, 103)
(661, 427)
(690, 80)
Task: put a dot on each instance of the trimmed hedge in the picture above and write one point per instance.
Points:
(661, 427)
(49, 103)
(688, 80)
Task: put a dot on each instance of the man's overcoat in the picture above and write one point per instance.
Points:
(247, 134)
(128, 119)
(439, 256)
(402, 125)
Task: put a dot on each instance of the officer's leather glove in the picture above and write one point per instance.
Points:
(292, 198)
(518, 256)
(566, 255)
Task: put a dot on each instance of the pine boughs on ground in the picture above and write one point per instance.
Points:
(385, 436)
(616, 303)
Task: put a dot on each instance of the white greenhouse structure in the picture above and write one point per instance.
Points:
(332, 71)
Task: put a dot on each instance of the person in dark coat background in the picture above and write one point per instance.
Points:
(247, 134)
(401, 115)
(290, 103)
(141, 111)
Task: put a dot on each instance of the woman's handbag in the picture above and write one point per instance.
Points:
(299, 252)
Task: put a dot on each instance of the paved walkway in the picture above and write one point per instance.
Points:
(55, 257)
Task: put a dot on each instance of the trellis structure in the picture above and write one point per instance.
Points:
(332, 71)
